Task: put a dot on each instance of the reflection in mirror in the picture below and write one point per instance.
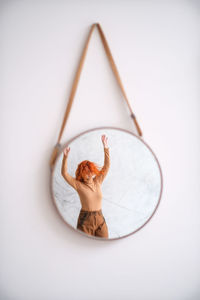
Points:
(106, 183)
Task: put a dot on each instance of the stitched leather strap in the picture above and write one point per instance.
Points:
(75, 83)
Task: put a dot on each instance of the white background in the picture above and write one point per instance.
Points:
(155, 45)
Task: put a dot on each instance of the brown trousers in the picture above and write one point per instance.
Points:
(92, 223)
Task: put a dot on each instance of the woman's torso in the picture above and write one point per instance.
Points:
(90, 196)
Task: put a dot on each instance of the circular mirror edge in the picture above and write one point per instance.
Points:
(53, 169)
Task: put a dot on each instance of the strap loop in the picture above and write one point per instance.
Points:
(55, 154)
(133, 116)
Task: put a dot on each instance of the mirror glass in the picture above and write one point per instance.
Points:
(130, 191)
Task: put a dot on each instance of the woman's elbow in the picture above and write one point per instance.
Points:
(64, 174)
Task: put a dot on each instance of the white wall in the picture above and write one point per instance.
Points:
(155, 45)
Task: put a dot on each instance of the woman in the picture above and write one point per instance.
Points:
(88, 186)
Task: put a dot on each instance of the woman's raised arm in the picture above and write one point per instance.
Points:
(106, 165)
(71, 180)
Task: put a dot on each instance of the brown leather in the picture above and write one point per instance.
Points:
(75, 83)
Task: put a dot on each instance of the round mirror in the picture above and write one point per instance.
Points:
(116, 202)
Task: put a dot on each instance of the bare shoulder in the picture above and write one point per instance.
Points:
(79, 184)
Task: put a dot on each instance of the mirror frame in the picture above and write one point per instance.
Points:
(52, 175)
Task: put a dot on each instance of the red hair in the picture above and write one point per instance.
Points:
(85, 168)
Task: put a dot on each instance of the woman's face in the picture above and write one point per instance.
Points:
(89, 176)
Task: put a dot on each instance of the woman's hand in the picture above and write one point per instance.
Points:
(66, 151)
(104, 140)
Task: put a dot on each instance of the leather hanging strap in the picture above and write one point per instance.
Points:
(75, 83)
